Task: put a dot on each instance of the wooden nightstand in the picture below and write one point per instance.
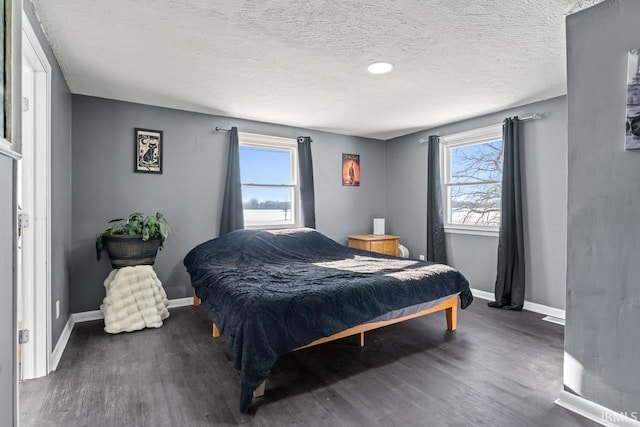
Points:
(385, 244)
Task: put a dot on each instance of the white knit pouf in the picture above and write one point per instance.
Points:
(135, 300)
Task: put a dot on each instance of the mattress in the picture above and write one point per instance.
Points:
(413, 309)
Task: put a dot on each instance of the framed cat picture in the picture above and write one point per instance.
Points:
(148, 145)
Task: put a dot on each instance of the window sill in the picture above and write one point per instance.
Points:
(272, 227)
(475, 231)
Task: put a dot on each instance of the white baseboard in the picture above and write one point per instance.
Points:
(180, 302)
(56, 354)
(87, 316)
(531, 306)
(477, 293)
(597, 413)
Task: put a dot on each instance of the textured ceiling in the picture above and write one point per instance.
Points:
(303, 63)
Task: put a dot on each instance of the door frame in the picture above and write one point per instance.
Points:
(38, 306)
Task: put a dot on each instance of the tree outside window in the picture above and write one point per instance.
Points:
(472, 174)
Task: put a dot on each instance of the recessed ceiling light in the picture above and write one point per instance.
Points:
(380, 67)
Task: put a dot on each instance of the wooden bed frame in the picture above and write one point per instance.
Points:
(450, 306)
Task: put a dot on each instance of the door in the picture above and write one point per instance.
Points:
(33, 197)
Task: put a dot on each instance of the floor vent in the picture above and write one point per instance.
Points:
(555, 320)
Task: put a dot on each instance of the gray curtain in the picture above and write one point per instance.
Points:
(307, 195)
(436, 248)
(232, 215)
(509, 289)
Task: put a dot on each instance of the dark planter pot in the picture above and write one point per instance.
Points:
(127, 251)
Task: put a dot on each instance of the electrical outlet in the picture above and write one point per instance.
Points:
(57, 309)
(421, 257)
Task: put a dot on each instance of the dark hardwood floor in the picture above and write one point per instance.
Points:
(499, 368)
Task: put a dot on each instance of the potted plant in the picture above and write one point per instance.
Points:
(133, 241)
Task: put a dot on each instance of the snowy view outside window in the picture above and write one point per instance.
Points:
(268, 186)
(473, 185)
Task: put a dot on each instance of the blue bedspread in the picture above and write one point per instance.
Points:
(270, 292)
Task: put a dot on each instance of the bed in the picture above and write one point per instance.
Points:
(272, 292)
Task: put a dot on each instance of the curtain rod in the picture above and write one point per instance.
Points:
(300, 139)
(534, 116)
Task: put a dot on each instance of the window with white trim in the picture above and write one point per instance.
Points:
(269, 177)
(472, 177)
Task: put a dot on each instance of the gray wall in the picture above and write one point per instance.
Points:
(544, 181)
(602, 339)
(60, 184)
(190, 190)
(7, 295)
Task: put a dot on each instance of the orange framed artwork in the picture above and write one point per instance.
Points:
(351, 170)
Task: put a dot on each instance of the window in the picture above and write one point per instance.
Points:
(269, 176)
(472, 172)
